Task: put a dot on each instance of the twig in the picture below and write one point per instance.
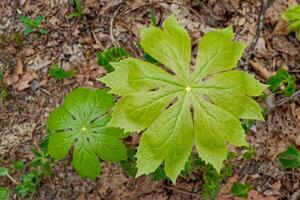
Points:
(295, 195)
(263, 72)
(181, 191)
(12, 179)
(260, 26)
(111, 28)
(282, 101)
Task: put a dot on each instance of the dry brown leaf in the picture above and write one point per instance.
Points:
(281, 28)
(277, 185)
(255, 195)
(11, 79)
(25, 80)
(19, 67)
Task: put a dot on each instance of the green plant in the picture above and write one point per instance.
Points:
(240, 189)
(15, 39)
(177, 107)
(32, 178)
(18, 165)
(290, 158)
(3, 90)
(33, 25)
(5, 172)
(4, 193)
(82, 120)
(292, 15)
(41, 160)
(129, 165)
(212, 180)
(78, 7)
(247, 124)
(283, 82)
(59, 73)
(153, 18)
(250, 153)
(30, 182)
(113, 54)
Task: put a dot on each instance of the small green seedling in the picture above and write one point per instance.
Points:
(41, 159)
(4, 193)
(33, 25)
(29, 184)
(292, 15)
(59, 73)
(290, 158)
(249, 154)
(18, 165)
(283, 82)
(212, 180)
(81, 121)
(240, 189)
(114, 54)
(79, 9)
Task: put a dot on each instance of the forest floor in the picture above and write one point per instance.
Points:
(73, 44)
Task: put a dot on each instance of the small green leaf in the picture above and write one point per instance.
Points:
(42, 31)
(1, 76)
(3, 171)
(78, 6)
(290, 158)
(283, 79)
(114, 54)
(73, 15)
(247, 124)
(249, 154)
(292, 15)
(212, 180)
(29, 184)
(4, 193)
(129, 165)
(226, 171)
(59, 73)
(82, 120)
(240, 190)
(38, 20)
(26, 21)
(79, 9)
(159, 174)
(152, 16)
(19, 165)
(28, 30)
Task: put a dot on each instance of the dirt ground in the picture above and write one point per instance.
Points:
(73, 44)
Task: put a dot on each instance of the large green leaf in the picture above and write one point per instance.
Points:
(177, 106)
(82, 120)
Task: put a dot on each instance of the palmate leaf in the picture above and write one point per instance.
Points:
(177, 107)
(81, 121)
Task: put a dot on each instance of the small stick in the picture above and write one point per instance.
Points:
(263, 72)
(12, 179)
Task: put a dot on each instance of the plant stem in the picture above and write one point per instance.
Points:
(12, 179)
